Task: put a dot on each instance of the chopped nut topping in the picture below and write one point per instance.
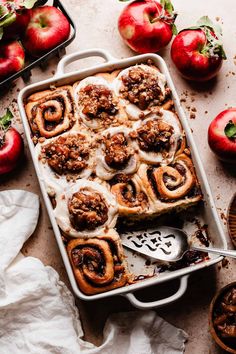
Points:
(117, 151)
(87, 211)
(141, 88)
(154, 135)
(67, 154)
(98, 102)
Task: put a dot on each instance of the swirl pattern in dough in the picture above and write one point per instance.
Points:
(129, 195)
(171, 186)
(51, 112)
(98, 263)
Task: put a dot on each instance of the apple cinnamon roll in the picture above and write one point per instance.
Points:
(141, 88)
(158, 138)
(97, 105)
(98, 263)
(172, 185)
(129, 195)
(66, 158)
(86, 209)
(51, 112)
(116, 153)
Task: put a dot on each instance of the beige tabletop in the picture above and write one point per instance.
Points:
(96, 27)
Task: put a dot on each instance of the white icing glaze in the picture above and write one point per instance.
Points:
(132, 110)
(104, 171)
(91, 80)
(157, 157)
(53, 180)
(61, 211)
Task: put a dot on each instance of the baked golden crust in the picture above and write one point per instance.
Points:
(98, 263)
(51, 112)
(135, 152)
(170, 187)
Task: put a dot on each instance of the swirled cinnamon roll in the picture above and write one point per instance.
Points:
(171, 186)
(141, 87)
(97, 105)
(98, 263)
(129, 195)
(65, 158)
(158, 137)
(116, 153)
(86, 209)
(51, 112)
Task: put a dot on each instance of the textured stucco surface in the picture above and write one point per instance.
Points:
(96, 25)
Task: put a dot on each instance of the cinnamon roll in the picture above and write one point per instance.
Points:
(51, 112)
(141, 88)
(97, 104)
(116, 153)
(86, 209)
(98, 263)
(171, 186)
(65, 158)
(129, 195)
(158, 137)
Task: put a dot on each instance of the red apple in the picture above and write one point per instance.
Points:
(197, 52)
(222, 135)
(146, 25)
(12, 59)
(11, 145)
(48, 28)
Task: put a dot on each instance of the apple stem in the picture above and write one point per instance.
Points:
(169, 19)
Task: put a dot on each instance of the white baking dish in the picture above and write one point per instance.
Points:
(208, 213)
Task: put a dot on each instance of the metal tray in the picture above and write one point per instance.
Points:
(25, 73)
(207, 213)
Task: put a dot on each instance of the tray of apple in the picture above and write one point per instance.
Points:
(31, 31)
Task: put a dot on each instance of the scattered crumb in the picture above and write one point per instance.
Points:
(223, 216)
(192, 116)
(217, 18)
(206, 112)
(194, 109)
(225, 263)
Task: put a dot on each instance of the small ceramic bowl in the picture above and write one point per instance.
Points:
(231, 220)
(224, 344)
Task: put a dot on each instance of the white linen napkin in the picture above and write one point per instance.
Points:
(37, 311)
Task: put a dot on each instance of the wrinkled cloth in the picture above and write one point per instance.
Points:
(37, 311)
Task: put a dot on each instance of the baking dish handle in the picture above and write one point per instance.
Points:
(96, 52)
(159, 303)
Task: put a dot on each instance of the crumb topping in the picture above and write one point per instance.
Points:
(67, 154)
(154, 135)
(87, 210)
(141, 88)
(98, 102)
(117, 151)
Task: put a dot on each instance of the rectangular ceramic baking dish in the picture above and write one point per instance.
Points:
(208, 213)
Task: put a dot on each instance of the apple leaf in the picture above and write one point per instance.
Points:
(174, 29)
(3, 11)
(205, 21)
(230, 130)
(167, 5)
(28, 4)
(5, 121)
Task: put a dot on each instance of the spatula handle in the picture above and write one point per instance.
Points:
(227, 253)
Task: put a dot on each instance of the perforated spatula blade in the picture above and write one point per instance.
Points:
(165, 243)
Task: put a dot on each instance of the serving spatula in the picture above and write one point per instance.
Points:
(165, 243)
